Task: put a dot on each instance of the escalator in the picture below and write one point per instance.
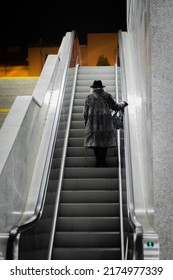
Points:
(70, 209)
(87, 224)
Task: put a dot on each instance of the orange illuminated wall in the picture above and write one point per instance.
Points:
(37, 57)
(97, 44)
(102, 44)
(14, 71)
(83, 51)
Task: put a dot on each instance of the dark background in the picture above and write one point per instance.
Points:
(33, 23)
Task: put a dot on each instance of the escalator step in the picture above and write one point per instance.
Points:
(89, 162)
(91, 184)
(89, 172)
(88, 196)
(81, 151)
(88, 224)
(86, 254)
(84, 162)
(87, 239)
(88, 209)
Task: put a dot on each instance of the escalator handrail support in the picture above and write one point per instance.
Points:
(133, 222)
(13, 240)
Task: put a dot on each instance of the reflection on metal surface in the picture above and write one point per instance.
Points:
(135, 62)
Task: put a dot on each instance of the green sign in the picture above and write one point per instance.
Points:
(150, 244)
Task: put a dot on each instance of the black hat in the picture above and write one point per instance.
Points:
(97, 84)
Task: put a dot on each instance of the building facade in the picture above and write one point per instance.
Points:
(99, 45)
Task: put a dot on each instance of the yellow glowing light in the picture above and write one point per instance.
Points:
(4, 110)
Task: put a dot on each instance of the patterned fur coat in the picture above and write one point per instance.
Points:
(99, 129)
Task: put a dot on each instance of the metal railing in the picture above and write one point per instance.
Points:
(120, 174)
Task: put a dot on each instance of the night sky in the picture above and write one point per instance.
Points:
(25, 23)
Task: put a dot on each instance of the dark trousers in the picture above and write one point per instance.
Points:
(100, 155)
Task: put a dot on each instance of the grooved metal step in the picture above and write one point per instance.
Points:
(88, 224)
(87, 239)
(89, 209)
(86, 254)
(86, 196)
(91, 184)
(85, 172)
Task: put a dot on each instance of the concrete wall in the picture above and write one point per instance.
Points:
(161, 12)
